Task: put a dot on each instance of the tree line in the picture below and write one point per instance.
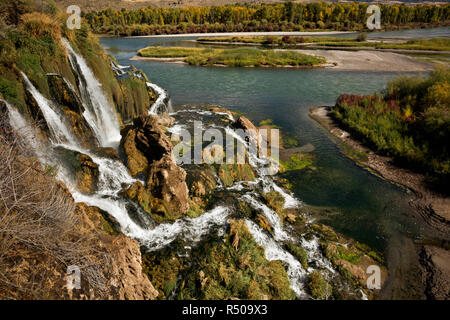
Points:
(265, 17)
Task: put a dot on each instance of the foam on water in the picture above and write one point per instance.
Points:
(99, 113)
(273, 251)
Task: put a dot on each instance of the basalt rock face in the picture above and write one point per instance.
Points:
(148, 154)
(71, 106)
(84, 169)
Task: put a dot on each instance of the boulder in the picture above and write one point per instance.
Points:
(144, 142)
(167, 182)
(85, 170)
(148, 153)
(201, 182)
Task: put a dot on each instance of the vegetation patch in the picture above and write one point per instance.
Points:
(241, 57)
(410, 121)
(298, 161)
(232, 267)
(299, 253)
(317, 286)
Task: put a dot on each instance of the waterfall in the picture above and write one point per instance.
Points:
(188, 229)
(273, 251)
(99, 113)
(162, 103)
(56, 123)
(272, 216)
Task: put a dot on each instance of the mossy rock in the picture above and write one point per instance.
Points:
(324, 232)
(84, 169)
(317, 286)
(163, 269)
(275, 201)
(298, 252)
(201, 181)
(135, 160)
(231, 173)
(234, 267)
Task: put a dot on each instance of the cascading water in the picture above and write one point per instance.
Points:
(56, 123)
(273, 251)
(99, 113)
(162, 103)
(113, 176)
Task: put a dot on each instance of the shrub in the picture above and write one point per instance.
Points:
(362, 37)
(39, 25)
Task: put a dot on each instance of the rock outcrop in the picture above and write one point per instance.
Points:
(84, 169)
(148, 154)
(71, 106)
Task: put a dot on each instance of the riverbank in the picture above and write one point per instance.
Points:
(231, 34)
(431, 257)
(363, 60)
(435, 208)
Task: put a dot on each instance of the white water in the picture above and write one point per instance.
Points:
(187, 229)
(273, 251)
(160, 103)
(99, 113)
(56, 123)
(114, 176)
(272, 216)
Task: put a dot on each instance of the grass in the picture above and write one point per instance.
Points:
(410, 122)
(241, 57)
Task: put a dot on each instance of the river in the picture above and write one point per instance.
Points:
(362, 206)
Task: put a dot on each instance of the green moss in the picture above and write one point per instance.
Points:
(109, 224)
(298, 161)
(358, 156)
(371, 253)
(235, 268)
(275, 201)
(162, 269)
(230, 173)
(348, 255)
(300, 253)
(266, 122)
(317, 286)
(288, 141)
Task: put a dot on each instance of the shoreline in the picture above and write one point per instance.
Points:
(429, 257)
(230, 34)
(433, 207)
(180, 60)
(361, 60)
